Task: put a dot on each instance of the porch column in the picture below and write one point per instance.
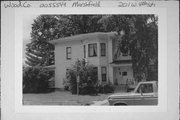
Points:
(110, 59)
(111, 77)
(110, 51)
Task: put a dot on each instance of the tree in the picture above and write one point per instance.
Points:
(140, 38)
(35, 80)
(50, 27)
(144, 46)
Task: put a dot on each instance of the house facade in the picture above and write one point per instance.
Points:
(97, 48)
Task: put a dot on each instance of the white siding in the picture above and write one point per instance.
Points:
(77, 48)
(62, 63)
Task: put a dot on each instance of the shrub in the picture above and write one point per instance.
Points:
(66, 85)
(88, 78)
(106, 88)
(89, 83)
(35, 80)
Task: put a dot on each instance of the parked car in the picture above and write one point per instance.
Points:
(145, 93)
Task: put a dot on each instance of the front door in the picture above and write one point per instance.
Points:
(117, 75)
(120, 76)
(124, 77)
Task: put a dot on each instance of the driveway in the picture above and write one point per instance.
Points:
(62, 98)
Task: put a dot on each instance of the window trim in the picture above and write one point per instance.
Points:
(93, 44)
(68, 53)
(101, 44)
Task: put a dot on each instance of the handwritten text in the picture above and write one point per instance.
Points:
(54, 4)
(17, 4)
(136, 4)
(86, 4)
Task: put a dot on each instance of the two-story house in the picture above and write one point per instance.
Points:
(96, 48)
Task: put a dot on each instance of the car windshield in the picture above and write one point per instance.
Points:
(145, 88)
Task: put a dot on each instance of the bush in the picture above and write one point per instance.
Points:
(66, 85)
(106, 88)
(89, 83)
(35, 80)
(88, 78)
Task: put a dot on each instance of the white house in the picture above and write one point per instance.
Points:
(96, 48)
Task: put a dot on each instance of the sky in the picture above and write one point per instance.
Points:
(27, 24)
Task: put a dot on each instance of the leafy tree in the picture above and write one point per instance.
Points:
(140, 38)
(50, 27)
(35, 80)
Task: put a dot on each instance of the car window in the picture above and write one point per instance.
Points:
(145, 88)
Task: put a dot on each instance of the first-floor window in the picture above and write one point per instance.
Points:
(84, 51)
(103, 73)
(68, 53)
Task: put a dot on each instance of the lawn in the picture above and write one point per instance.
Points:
(61, 98)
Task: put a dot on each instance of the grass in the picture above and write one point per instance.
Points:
(61, 98)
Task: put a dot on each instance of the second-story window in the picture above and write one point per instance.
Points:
(92, 50)
(125, 54)
(103, 49)
(68, 53)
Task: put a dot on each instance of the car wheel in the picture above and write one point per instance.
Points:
(120, 104)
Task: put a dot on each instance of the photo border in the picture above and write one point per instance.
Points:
(162, 61)
(11, 111)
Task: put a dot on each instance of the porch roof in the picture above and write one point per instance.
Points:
(121, 63)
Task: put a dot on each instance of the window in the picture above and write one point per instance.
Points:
(145, 88)
(125, 54)
(103, 73)
(92, 49)
(84, 51)
(103, 49)
(124, 73)
(68, 53)
(95, 72)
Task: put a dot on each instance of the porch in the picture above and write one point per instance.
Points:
(121, 74)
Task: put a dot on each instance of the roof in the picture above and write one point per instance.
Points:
(122, 62)
(149, 81)
(82, 36)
